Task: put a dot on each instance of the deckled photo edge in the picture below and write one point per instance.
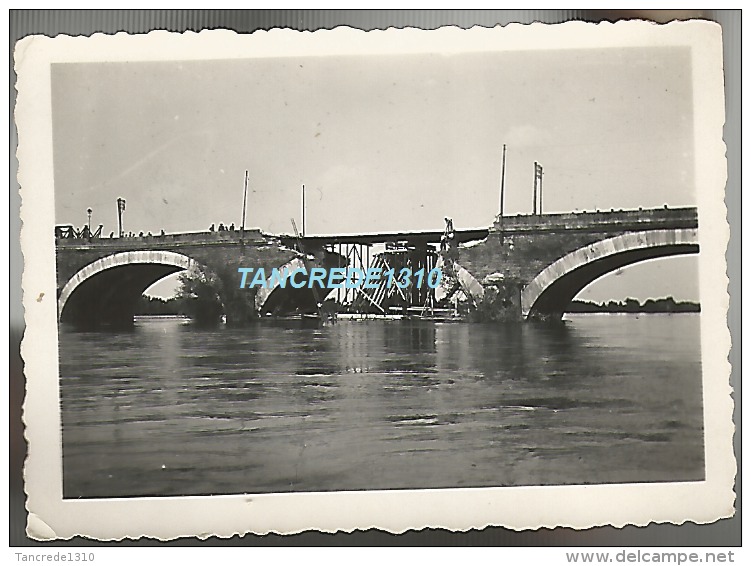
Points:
(394, 511)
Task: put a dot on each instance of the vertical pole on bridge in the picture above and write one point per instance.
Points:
(538, 177)
(503, 187)
(245, 201)
(303, 210)
(534, 196)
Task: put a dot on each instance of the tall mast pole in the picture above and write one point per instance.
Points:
(534, 196)
(245, 201)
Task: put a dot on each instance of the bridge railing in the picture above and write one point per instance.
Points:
(654, 218)
(613, 220)
(185, 238)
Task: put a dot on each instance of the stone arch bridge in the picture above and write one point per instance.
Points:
(99, 281)
(531, 266)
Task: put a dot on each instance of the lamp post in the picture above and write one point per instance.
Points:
(89, 211)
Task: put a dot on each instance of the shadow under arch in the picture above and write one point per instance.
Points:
(268, 297)
(548, 294)
(105, 292)
(276, 299)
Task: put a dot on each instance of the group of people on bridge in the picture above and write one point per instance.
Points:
(222, 228)
(69, 231)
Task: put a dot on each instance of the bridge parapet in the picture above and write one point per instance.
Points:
(615, 220)
(169, 240)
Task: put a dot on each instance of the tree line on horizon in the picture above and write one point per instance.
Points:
(667, 304)
(185, 305)
(197, 297)
(148, 305)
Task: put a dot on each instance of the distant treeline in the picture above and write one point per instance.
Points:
(156, 305)
(632, 305)
(197, 298)
(182, 306)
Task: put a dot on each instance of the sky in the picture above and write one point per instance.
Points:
(382, 143)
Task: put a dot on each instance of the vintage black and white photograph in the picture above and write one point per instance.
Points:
(394, 265)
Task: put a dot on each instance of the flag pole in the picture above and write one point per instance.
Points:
(534, 196)
(245, 201)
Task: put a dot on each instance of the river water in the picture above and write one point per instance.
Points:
(169, 409)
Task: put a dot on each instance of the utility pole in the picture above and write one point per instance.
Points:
(120, 209)
(245, 200)
(503, 183)
(534, 195)
(303, 211)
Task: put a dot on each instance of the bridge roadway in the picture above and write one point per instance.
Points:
(417, 239)
(529, 264)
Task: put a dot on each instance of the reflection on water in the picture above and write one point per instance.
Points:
(168, 409)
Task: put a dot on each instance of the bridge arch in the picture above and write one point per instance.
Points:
(548, 294)
(107, 289)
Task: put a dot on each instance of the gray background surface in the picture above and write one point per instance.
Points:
(85, 22)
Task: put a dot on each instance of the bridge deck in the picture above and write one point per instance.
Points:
(414, 238)
(622, 220)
